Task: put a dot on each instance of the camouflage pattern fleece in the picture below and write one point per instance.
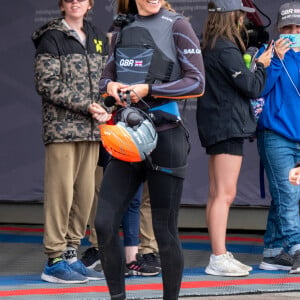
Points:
(67, 77)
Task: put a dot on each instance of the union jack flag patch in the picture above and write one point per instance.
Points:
(138, 63)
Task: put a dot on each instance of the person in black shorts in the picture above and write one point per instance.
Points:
(225, 119)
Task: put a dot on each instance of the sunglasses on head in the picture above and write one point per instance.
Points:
(70, 1)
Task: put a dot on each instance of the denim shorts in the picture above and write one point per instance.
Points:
(232, 146)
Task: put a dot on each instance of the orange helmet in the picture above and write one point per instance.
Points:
(128, 142)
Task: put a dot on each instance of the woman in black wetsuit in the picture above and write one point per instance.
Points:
(174, 71)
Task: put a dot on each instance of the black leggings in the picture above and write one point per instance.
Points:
(120, 183)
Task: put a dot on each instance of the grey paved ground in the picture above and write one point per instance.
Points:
(265, 296)
(23, 259)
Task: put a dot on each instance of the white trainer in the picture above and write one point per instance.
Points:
(238, 263)
(222, 265)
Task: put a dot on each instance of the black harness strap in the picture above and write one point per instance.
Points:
(176, 172)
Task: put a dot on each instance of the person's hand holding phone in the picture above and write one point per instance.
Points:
(281, 47)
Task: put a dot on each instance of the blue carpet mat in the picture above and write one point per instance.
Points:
(22, 260)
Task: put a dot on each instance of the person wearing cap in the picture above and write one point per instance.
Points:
(225, 119)
(278, 140)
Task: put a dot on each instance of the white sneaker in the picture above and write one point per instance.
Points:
(222, 265)
(238, 263)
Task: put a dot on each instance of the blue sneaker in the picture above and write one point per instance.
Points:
(61, 272)
(91, 274)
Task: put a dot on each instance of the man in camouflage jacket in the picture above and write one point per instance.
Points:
(69, 59)
(67, 77)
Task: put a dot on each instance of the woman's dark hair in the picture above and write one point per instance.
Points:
(224, 25)
(127, 7)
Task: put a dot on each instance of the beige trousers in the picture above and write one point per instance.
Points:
(69, 189)
(93, 234)
(148, 242)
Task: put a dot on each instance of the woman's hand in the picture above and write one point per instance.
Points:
(99, 113)
(266, 57)
(114, 88)
(137, 91)
(294, 176)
